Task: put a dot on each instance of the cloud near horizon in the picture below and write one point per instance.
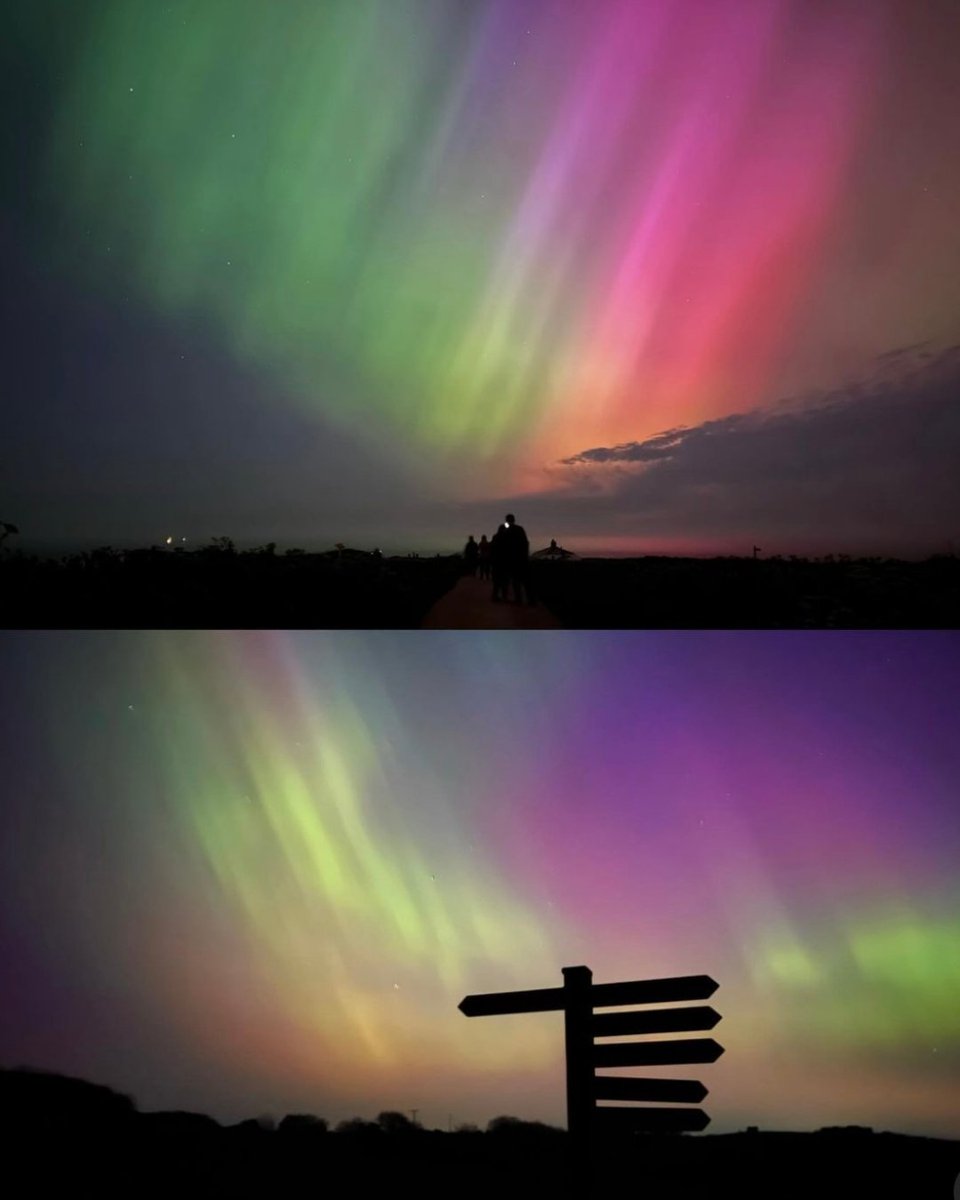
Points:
(870, 466)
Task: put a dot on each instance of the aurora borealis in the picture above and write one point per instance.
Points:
(256, 872)
(349, 270)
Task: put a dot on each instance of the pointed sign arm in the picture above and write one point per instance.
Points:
(654, 1020)
(625, 1120)
(632, 991)
(645, 1054)
(653, 991)
(629, 1087)
(495, 1004)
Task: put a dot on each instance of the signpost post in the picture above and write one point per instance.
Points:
(577, 999)
(577, 1012)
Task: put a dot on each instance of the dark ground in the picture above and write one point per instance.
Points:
(218, 587)
(69, 1137)
(470, 605)
(743, 593)
(247, 1160)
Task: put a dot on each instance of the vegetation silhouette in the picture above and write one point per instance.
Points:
(69, 1136)
(729, 592)
(218, 586)
(302, 1125)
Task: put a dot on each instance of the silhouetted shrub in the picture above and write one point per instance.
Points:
(514, 1127)
(302, 1124)
(397, 1123)
(358, 1127)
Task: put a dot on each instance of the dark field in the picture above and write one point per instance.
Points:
(248, 1160)
(219, 587)
(69, 1137)
(743, 593)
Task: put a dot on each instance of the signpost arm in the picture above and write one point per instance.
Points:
(578, 1012)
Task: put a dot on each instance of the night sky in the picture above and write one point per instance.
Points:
(249, 873)
(677, 275)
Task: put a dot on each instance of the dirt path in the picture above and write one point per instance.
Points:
(468, 606)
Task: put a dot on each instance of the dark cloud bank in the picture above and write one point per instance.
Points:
(869, 468)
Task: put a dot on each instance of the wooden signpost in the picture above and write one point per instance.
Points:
(577, 1000)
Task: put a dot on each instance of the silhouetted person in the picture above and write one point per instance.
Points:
(483, 557)
(517, 558)
(500, 562)
(471, 553)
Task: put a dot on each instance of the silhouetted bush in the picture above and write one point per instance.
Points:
(302, 1125)
(397, 1123)
(358, 1127)
(514, 1127)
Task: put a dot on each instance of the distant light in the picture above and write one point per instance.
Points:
(169, 540)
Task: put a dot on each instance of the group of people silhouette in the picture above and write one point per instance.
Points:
(504, 560)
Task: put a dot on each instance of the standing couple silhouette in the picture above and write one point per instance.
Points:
(510, 562)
